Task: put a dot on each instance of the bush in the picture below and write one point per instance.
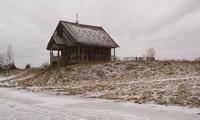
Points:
(28, 66)
(101, 74)
(46, 65)
(183, 93)
(13, 67)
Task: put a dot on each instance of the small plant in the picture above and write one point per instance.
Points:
(101, 74)
(13, 67)
(28, 66)
(46, 65)
(183, 93)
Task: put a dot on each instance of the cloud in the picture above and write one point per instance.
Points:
(170, 26)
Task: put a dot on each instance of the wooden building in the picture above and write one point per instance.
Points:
(78, 43)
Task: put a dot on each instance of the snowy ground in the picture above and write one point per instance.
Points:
(24, 105)
(159, 82)
(3, 78)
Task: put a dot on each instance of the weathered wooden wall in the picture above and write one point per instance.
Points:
(84, 54)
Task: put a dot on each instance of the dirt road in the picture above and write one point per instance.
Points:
(24, 105)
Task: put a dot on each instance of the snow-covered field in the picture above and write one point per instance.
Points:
(24, 105)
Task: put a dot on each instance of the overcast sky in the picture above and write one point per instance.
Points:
(172, 27)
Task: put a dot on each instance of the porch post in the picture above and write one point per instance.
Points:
(114, 53)
(83, 55)
(51, 56)
(58, 57)
(78, 54)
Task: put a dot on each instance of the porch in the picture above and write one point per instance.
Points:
(80, 54)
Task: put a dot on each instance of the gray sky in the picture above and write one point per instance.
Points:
(172, 27)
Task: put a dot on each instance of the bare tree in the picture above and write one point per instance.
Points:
(150, 52)
(9, 55)
(2, 59)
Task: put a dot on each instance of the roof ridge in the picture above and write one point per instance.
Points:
(82, 25)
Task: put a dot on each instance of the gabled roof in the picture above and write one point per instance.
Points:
(71, 34)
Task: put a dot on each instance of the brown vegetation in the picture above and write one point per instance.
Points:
(162, 82)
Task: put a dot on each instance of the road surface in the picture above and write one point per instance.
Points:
(24, 105)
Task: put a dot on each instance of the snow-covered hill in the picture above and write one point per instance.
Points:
(162, 82)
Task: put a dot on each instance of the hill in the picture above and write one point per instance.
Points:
(161, 82)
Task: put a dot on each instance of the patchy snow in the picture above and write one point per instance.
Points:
(24, 77)
(94, 94)
(23, 105)
(2, 78)
(161, 80)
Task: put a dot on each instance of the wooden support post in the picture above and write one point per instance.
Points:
(114, 54)
(58, 58)
(67, 56)
(83, 55)
(51, 56)
(78, 54)
(109, 54)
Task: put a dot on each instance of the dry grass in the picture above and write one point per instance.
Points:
(162, 82)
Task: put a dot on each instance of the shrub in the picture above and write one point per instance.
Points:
(183, 93)
(28, 66)
(46, 65)
(13, 67)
